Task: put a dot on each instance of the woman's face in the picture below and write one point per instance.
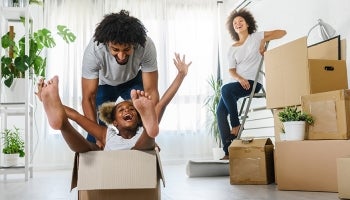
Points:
(239, 24)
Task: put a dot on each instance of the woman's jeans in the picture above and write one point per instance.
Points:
(230, 93)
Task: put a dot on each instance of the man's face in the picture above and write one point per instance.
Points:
(121, 52)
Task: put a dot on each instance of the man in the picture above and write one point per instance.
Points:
(120, 57)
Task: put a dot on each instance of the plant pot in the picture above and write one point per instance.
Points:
(15, 93)
(218, 153)
(294, 130)
(11, 160)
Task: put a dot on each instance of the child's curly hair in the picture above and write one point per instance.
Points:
(107, 113)
(120, 28)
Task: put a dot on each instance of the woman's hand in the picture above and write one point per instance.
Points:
(244, 83)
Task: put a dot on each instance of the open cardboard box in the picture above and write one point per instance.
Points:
(290, 73)
(122, 174)
(251, 161)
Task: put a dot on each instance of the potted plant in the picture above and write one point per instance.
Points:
(211, 103)
(294, 122)
(13, 146)
(16, 63)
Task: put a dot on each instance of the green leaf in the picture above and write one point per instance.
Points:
(66, 34)
(44, 38)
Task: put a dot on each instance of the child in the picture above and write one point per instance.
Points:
(126, 117)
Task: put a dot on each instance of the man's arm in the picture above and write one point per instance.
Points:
(89, 90)
(150, 85)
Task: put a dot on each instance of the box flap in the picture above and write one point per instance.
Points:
(257, 142)
(329, 49)
(75, 172)
(285, 65)
(121, 169)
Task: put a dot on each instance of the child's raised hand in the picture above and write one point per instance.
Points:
(180, 64)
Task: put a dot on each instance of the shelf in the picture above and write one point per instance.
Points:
(25, 108)
(13, 13)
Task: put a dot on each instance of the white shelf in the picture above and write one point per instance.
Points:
(26, 108)
(13, 13)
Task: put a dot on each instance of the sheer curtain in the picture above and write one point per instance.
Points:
(185, 26)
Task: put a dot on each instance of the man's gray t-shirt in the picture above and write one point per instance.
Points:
(99, 63)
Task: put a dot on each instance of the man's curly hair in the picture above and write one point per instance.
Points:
(120, 28)
(108, 110)
(248, 17)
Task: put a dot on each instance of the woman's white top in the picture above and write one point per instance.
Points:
(246, 57)
(117, 142)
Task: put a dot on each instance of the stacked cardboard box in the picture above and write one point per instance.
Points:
(315, 79)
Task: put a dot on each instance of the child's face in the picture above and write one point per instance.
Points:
(126, 116)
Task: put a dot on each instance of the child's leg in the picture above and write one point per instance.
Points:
(146, 108)
(57, 117)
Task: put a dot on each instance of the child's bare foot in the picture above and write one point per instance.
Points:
(143, 104)
(48, 94)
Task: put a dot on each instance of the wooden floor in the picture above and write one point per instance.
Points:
(55, 185)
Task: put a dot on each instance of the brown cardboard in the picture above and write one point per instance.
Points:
(251, 163)
(331, 112)
(309, 165)
(329, 49)
(290, 74)
(122, 174)
(343, 175)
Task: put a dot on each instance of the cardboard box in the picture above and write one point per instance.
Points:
(251, 162)
(343, 172)
(309, 165)
(290, 74)
(326, 49)
(122, 174)
(331, 111)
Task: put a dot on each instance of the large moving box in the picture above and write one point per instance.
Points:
(251, 161)
(290, 74)
(331, 112)
(309, 165)
(343, 166)
(122, 174)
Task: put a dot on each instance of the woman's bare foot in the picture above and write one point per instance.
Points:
(48, 94)
(234, 130)
(143, 104)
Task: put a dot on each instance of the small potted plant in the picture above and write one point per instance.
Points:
(13, 146)
(294, 122)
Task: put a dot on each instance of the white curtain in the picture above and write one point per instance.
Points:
(184, 26)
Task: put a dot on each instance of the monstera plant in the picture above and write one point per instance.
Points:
(15, 63)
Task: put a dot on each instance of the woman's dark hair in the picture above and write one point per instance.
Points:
(248, 17)
(120, 28)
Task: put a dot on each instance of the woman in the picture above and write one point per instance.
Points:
(244, 57)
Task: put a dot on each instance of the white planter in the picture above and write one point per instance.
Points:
(11, 160)
(15, 93)
(218, 153)
(294, 130)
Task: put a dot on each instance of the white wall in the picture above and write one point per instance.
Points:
(296, 17)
